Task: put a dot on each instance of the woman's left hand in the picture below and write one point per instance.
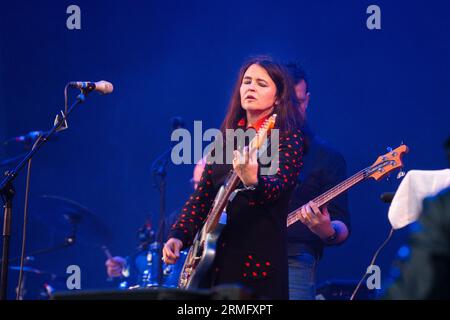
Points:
(318, 221)
(245, 165)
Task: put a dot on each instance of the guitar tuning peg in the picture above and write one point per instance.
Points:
(389, 149)
(401, 174)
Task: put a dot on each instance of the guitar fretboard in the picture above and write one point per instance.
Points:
(331, 194)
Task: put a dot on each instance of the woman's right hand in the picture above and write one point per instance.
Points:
(171, 250)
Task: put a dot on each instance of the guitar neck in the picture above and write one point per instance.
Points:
(222, 198)
(329, 195)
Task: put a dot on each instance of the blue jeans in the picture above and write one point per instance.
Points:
(302, 277)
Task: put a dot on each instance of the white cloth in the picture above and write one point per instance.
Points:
(406, 205)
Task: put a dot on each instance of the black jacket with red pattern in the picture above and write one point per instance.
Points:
(251, 250)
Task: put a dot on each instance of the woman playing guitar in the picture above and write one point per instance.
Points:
(251, 248)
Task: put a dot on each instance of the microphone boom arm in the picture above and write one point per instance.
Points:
(7, 189)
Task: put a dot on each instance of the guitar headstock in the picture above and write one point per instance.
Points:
(261, 135)
(387, 163)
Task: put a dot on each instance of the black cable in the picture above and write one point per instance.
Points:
(65, 99)
(372, 263)
(12, 175)
(25, 219)
(25, 209)
(7, 162)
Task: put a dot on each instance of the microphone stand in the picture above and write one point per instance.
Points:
(68, 242)
(7, 162)
(7, 191)
(159, 174)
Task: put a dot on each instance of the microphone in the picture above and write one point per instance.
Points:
(387, 197)
(26, 138)
(104, 87)
(177, 122)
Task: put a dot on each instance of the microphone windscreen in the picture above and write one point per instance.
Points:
(387, 197)
(104, 87)
(177, 122)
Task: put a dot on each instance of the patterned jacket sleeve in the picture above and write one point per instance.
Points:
(195, 210)
(270, 187)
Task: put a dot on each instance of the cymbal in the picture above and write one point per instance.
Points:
(38, 272)
(65, 217)
(27, 269)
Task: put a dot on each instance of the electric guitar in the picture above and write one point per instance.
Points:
(203, 249)
(380, 168)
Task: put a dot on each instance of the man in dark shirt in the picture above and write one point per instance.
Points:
(323, 168)
(426, 274)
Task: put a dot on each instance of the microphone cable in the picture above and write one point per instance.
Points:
(391, 232)
(25, 209)
(25, 222)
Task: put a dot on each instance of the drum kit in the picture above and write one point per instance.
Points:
(79, 224)
(146, 265)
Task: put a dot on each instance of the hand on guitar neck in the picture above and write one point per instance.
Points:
(246, 166)
(319, 222)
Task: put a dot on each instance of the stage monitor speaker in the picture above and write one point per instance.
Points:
(155, 293)
(343, 290)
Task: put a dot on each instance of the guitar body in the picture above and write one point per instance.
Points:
(199, 259)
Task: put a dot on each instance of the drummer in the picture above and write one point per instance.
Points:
(117, 266)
